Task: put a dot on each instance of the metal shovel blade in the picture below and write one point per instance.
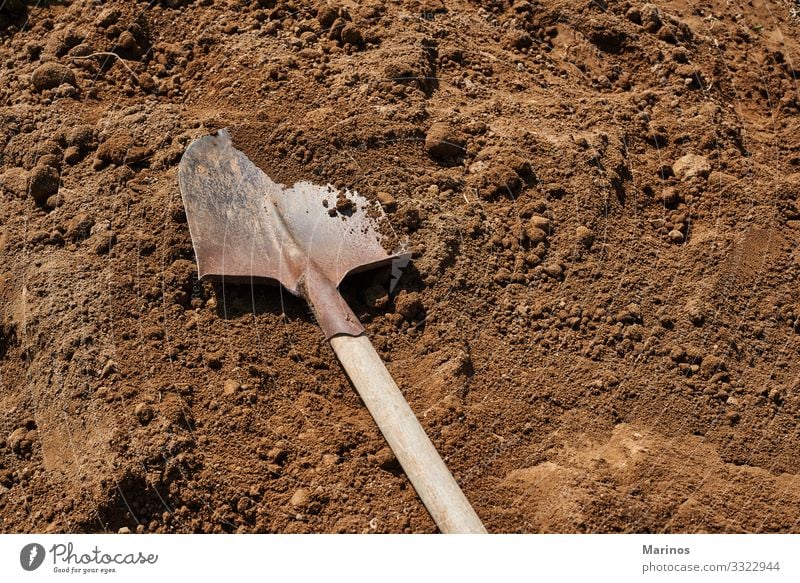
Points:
(247, 228)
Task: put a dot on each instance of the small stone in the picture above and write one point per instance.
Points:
(443, 143)
(732, 417)
(51, 75)
(230, 387)
(43, 182)
(554, 270)
(388, 202)
(675, 236)
(300, 498)
(124, 530)
(144, 413)
(535, 235)
(691, 165)
(541, 222)
(52, 202)
(584, 236)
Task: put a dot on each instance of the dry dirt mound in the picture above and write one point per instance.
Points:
(599, 328)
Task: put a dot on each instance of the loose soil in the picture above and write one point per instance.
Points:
(599, 328)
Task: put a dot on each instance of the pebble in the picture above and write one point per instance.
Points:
(230, 387)
(144, 413)
(535, 234)
(675, 236)
(584, 236)
(300, 498)
(388, 202)
(51, 75)
(541, 222)
(124, 530)
(553, 270)
(443, 143)
(43, 182)
(691, 165)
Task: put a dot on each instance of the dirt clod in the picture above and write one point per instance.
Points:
(144, 413)
(43, 182)
(584, 236)
(691, 165)
(443, 143)
(50, 75)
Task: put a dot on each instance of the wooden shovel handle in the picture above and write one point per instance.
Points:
(433, 482)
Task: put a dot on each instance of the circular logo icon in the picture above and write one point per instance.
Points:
(31, 556)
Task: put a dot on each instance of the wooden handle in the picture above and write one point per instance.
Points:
(433, 482)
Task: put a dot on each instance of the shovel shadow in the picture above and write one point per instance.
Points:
(236, 299)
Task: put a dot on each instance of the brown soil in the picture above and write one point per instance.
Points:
(599, 328)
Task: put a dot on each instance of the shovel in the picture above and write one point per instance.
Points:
(245, 228)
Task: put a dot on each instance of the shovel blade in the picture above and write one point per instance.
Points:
(247, 228)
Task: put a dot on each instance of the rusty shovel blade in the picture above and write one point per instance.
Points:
(246, 228)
